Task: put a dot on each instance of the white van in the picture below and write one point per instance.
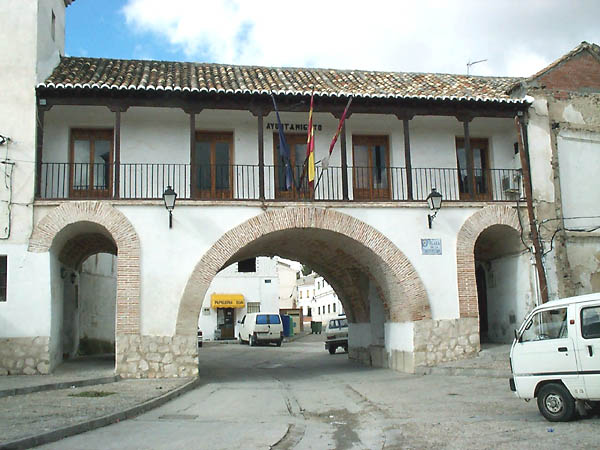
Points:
(261, 327)
(555, 356)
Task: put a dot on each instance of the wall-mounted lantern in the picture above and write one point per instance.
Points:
(169, 197)
(434, 200)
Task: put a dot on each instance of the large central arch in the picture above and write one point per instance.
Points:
(348, 249)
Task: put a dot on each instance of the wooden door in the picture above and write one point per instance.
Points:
(479, 188)
(91, 163)
(212, 170)
(284, 187)
(371, 167)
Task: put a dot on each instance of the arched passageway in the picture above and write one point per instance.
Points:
(493, 272)
(72, 233)
(374, 280)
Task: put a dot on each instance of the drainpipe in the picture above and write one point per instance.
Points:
(524, 155)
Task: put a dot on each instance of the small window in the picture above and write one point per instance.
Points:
(309, 313)
(328, 309)
(590, 322)
(247, 265)
(253, 307)
(300, 294)
(549, 324)
(206, 311)
(262, 319)
(3, 277)
(267, 281)
(319, 309)
(334, 307)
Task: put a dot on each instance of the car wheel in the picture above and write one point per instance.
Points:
(252, 341)
(332, 349)
(279, 342)
(346, 348)
(556, 403)
(240, 339)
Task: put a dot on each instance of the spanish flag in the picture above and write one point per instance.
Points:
(310, 145)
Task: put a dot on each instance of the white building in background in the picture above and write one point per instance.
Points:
(287, 274)
(317, 299)
(248, 286)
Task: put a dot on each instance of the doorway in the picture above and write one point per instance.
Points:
(482, 302)
(225, 322)
(474, 182)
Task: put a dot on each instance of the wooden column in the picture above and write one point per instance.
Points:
(344, 163)
(261, 156)
(117, 148)
(524, 155)
(470, 164)
(39, 147)
(407, 159)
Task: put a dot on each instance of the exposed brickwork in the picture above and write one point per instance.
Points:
(465, 246)
(127, 244)
(334, 241)
(581, 72)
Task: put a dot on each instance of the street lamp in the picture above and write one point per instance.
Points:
(169, 197)
(434, 200)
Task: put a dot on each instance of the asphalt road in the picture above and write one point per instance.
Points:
(298, 396)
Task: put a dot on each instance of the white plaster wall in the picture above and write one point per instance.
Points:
(27, 311)
(583, 252)
(287, 285)
(56, 319)
(579, 166)
(49, 49)
(405, 227)
(399, 336)
(97, 297)
(377, 316)
(252, 285)
(540, 151)
(509, 294)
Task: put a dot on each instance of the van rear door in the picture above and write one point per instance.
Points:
(588, 347)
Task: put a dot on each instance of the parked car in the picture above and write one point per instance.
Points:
(555, 357)
(261, 328)
(336, 334)
(199, 338)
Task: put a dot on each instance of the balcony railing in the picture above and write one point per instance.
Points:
(141, 181)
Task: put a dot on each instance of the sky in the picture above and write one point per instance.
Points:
(514, 37)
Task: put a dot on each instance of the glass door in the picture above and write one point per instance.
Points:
(91, 157)
(212, 172)
(371, 167)
(474, 183)
(290, 189)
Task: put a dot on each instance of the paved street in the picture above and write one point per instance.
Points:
(298, 396)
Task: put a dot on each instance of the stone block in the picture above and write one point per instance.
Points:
(143, 365)
(43, 368)
(29, 370)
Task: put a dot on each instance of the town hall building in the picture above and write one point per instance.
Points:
(92, 148)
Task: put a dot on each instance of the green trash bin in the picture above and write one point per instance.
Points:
(318, 327)
(313, 327)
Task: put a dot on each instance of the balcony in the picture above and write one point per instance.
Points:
(147, 181)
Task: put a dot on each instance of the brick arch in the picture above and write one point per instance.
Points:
(127, 247)
(465, 252)
(405, 297)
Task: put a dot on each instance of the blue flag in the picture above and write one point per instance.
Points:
(284, 150)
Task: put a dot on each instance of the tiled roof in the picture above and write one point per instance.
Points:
(139, 75)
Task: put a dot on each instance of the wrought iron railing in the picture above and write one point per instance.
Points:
(242, 182)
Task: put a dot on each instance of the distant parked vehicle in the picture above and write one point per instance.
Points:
(336, 335)
(199, 338)
(261, 328)
(555, 356)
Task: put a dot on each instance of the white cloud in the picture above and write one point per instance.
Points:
(516, 37)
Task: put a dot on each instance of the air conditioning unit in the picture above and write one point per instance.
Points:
(511, 184)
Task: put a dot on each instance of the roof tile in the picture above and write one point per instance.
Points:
(101, 73)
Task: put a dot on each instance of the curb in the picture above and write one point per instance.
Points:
(56, 386)
(463, 371)
(61, 433)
